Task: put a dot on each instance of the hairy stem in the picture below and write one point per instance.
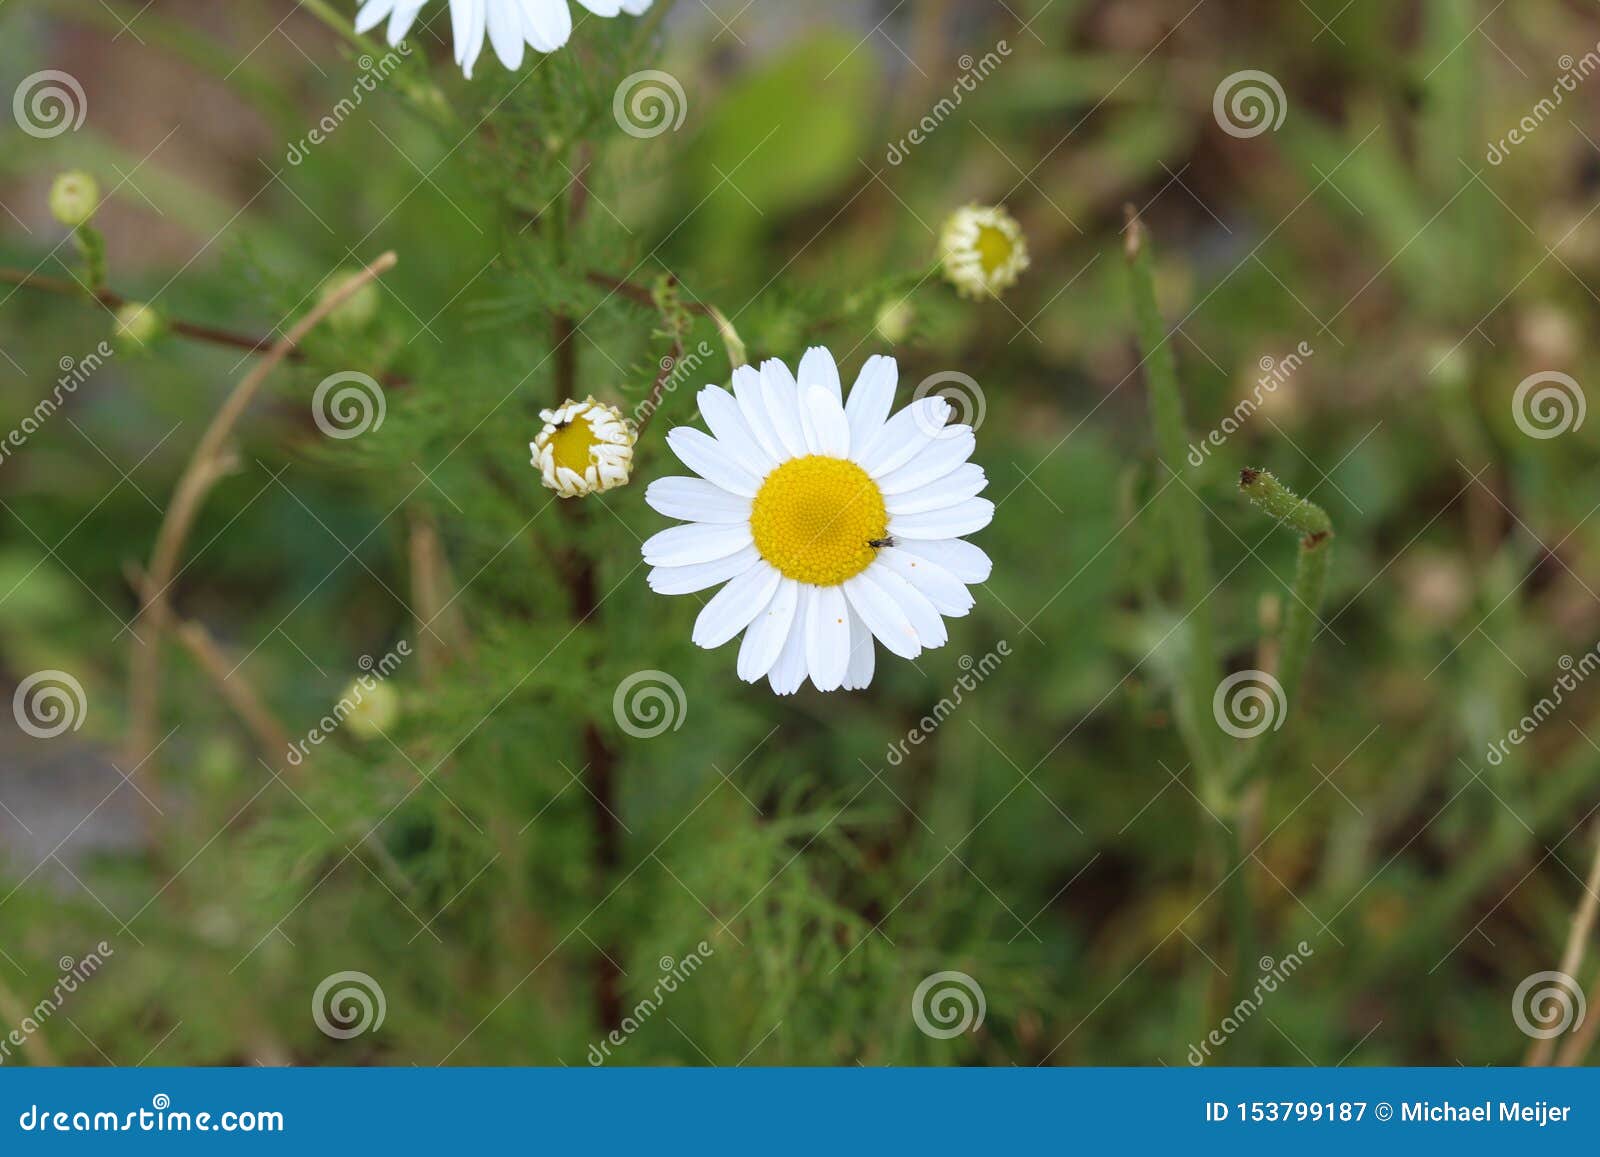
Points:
(1310, 581)
(1185, 515)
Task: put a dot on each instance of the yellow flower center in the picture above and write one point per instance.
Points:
(571, 445)
(994, 248)
(816, 519)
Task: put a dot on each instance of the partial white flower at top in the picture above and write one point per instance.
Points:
(983, 250)
(509, 24)
(585, 447)
(831, 522)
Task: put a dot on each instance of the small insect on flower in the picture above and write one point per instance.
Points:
(983, 250)
(585, 448)
(831, 522)
(510, 24)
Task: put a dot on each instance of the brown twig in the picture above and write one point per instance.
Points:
(600, 760)
(1583, 918)
(113, 300)
(209, 462)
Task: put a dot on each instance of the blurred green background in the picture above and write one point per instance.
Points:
(1046, 841)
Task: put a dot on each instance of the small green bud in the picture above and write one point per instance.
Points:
(138, 325)
(74, 197)
(375, 709)
(894, 321)
(359, 311)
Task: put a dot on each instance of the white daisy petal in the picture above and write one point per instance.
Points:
(405, 15)
(547, 23)
(696, 500)
(783, 406)
(505, 33)
(602, 7)
(871, 399)
(636, 7)
(789, 672)
(882, 615)
(686, 580)
(733, 608)
(467, 22)
(827, 632)
(764, 640)
(960, 484)
(952, 522)
(372, 14)
(967, 562)
(923, 615)
(858, 675)
(701, 453)
(826, 428)
(696, 542)
(752, 404)
(732, 432)
(817, 368)
(904, 435)
(940, 456)
(948, 594)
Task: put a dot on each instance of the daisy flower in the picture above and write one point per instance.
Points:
(983, 250)
(585, 448)
(545, 24)
(831, 523)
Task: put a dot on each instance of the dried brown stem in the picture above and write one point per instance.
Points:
(208, 463)
(1583, 919)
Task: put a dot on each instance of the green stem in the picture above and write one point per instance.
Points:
(1184, 512)
(1310, 581)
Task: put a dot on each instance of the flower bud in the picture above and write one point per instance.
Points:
(74, 197)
